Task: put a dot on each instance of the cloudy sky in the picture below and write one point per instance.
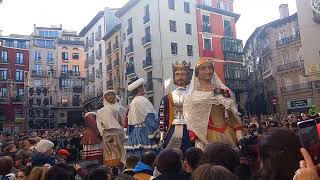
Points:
(18, 16)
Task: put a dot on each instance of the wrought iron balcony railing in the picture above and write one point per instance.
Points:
(296, 87)
(116, 63)
(146, 19)
(130, 69)
(109, 67)
(149, 86)
(147, 63)
(129, 50)
(108, 51)
(288, 40)
(291, 65)
(146, 39)
(232, 48)
(115, 46)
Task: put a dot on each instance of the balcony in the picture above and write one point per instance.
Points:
(43, 74)
(147, 63)
(149, 86)
(77, 89)
(129, 50)
(266, 50)
(116, 63)
(91, 60)
(98, 54)
(232, 48)
(288, 40)
(130, 70)
(146, 40)
(115, 46)
(98, 74)
(108, 52)
(98, 36)
(291, 65)
(92, 77)
(109, 67)
(146, 19)
(206, 28)
(109, 84)
(267, 73)
(236, 85)
(296, 87)
(207, 53)
(18, 99)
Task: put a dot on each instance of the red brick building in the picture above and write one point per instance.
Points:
(217, 40)
(14, 67)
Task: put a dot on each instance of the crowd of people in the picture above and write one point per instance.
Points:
(270, 150)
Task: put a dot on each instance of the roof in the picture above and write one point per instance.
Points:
(275, 23)
(219, 11)
(112, 31)
(126, 7)
(16, 37)
(91, 23)
(70, 42)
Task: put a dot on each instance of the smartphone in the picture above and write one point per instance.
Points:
(309, 137)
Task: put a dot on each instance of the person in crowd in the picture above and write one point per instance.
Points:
(91, 139)
(9, 150)
(141, 122)
(22, 174)
(210, 172)
(6, 165)
(307, 170)
(144, 168)
(170, 166)
(172, 124)
(207, 107)
(43, 154)
(194, 157)
(33, 143)
(279, 154)
(60, 171)
(110, 122)
(223, 155)
(22, 158)
(131, 163)
(38, 173)
(63, 156)
(100, 173)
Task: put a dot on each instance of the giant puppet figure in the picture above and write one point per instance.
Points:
(91, 139)
(110, 122)
(210, 112)
(172, 124)
(141, 122)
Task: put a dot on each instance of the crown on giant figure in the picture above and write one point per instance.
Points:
(203, 60)
(183, 65)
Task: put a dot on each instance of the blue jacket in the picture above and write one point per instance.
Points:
(141, 167)
(40, 159)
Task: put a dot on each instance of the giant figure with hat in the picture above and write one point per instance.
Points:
(141, 122)
(210, 111)
(172, 125)
(110, 122)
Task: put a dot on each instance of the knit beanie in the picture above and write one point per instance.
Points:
(44, 145)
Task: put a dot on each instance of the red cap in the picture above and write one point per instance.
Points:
(63, 152)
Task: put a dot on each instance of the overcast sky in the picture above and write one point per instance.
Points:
(18, 16)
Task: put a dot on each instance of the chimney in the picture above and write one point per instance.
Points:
(284, 11)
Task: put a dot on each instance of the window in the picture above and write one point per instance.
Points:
(75, 69)
(19, 75)
(4, 56)
(67, 38)
(50, 57)
(223, 5)
(3, 92)
(287, 82)
(9, 43)
(19, 58)
(37, 56)
(207, 43)
(186, 7)
(75, 55)
(3, 73)
(65, 82)
(65, 55)
(64, 69)
(171, 4)
(188, 29)
(281, 35)
(76, 100)
(189, 50)
(22, 45)
(207, 2)
(174, 48)
(146, 17)
(20, 92)
(206, 27)
(38, 68)
(285, 58)
(129, 30)
(227, 28)
(148, 53)
(173, 26)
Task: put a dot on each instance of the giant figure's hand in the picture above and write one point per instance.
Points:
(239, 134)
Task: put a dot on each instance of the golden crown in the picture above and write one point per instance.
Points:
(183, 65)
(203, 61)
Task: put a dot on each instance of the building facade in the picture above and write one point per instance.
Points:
(14, 68)
(71, 74)
(275, 60)
(217, 41)
(43, 81)
(95, 63)
(155, 34)
(309, 22)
